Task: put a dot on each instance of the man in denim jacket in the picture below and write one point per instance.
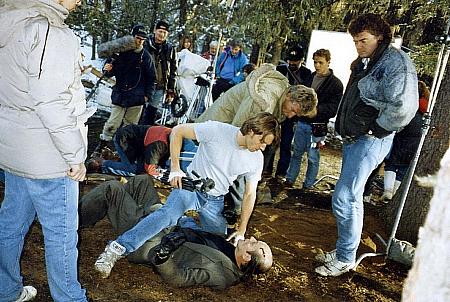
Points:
(380, 98)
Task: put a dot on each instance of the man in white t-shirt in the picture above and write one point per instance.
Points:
(224, 153)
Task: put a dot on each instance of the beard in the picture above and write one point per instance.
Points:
(293, 67)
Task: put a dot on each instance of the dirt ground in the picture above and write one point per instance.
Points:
(296, 225)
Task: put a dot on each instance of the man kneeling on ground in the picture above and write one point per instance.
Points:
(184, 256)
(224, 153)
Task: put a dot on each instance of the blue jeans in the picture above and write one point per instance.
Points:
(359, 159)
(123, 167)
(179, 201)
(55, 201)
(302, 144)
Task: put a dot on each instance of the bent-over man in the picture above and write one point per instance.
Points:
(224, 153)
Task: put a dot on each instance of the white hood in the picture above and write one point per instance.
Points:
(14, 12)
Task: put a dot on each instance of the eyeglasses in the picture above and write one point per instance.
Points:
(140, 38)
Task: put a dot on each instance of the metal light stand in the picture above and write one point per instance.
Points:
(165, 112)
(437, 80)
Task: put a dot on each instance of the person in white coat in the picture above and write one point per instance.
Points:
(43, 142)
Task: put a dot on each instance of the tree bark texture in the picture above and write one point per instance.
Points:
(428, 279)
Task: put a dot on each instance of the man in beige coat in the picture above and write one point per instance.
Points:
(43, 142)
(265, 90)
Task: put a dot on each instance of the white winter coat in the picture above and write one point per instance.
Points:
(42, 101)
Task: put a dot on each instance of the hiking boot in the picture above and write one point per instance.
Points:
(334, 268)
(108, 258)
(28, 293)
(326, 257)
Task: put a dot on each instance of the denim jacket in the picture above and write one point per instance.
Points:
(386, 98)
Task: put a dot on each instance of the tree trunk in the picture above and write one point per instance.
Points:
(106, 34)
(435, 145)
(428, 278)
(94, 47)
(183, 15)
(155, 12)
(254, 55)
(276, 56)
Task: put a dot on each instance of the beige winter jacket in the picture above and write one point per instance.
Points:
(42, 101)
(263, 91)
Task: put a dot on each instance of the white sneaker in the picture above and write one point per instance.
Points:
(108, 258)
(28, 293)
(334, 268)
(326, 257)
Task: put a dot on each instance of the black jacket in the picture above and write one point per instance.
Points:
(301, 76)
(135, 75)
(355, 118)
(202, 260)
(406, 142)
(164, 54)
(329, 95)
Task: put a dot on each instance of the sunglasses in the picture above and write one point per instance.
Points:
(140, 38)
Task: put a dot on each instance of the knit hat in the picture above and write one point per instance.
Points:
(139, 30)
(296, 53)
(161, 24)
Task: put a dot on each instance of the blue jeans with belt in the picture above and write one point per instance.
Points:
(209, 208)
(55, 201)
(358, 161)
(303, 139)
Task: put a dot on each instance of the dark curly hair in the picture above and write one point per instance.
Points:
(372, 23)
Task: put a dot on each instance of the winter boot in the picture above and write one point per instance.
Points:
(389, 182)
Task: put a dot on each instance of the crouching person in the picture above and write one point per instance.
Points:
(224, 153)
(182, 256)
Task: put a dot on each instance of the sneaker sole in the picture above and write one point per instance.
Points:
(326, 272)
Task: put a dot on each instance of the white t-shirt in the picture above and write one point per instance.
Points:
(220, 158)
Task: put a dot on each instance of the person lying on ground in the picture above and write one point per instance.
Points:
(184, 256)
(224, 153)
(142, 149)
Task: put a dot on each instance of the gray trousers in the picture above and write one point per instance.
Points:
(124, 205)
